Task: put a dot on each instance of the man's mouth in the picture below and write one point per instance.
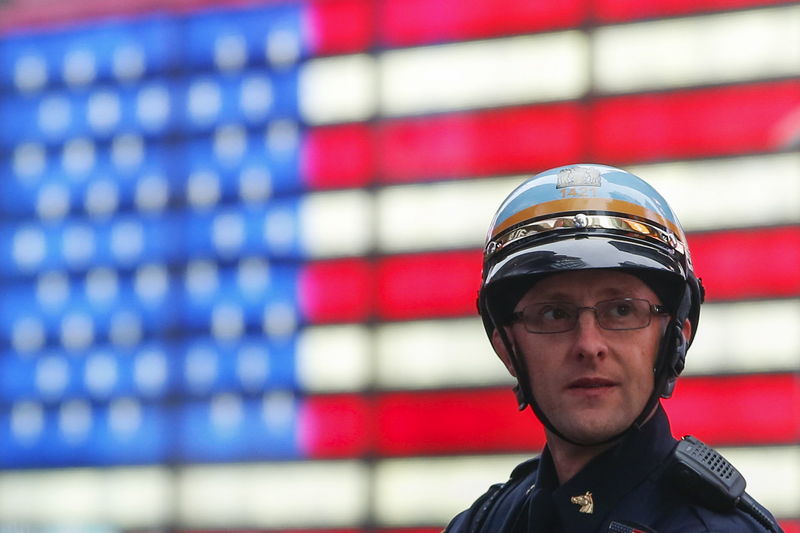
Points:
(591, 383)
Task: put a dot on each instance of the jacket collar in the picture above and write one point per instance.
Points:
(608, 477)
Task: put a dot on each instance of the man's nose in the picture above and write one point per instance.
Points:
(589, 317)
(588, 333)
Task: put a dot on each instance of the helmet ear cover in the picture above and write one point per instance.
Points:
(675, 358)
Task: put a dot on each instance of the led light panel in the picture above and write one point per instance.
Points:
(447, 214)
(229, 40)
(336, 426)
(747, 337)
(440, 215)
(455, 214)
(772, 474)
(340, 27)
(338, 89)
(273, 496)
(334, 358)
(695, 123)
(482, 420)
(734, 338)
(130, 498)
(622, 10)
(439, 284)
(482, 74)
(337, 291)
(494, 142)
(417, 491)
(100, 373)
(431, 354)
(250, 98)
(728, 262)
(409, 22)
(411, 492)
(729, 192)
(336, 223)
(724, 48)
(122, 51)
(240, 245)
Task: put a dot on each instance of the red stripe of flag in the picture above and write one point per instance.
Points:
(729, 410)
(338, 156)
(754, 263)
(644, 127)
(480, 143)
(734, 264)
(428, 285)
(342, 26)
(623, 10)
(705, 122)
(754, 409)
(454, 422)
(790, 526)
(345, 26)
(336, 426)
(340, 290)
(407, 22)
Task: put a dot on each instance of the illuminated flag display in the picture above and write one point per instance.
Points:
(240, 245)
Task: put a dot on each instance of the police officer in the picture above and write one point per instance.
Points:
(590, 300)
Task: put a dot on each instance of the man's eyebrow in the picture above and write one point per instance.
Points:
(553, 296)
(609, 292)
(618, 291)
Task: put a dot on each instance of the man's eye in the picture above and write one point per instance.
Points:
(556, 313)
(622, 309)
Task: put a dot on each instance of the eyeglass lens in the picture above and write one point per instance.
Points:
(616, 314)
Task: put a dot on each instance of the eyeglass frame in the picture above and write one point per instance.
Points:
(655, 309)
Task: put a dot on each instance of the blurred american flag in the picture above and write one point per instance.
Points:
(240, 245)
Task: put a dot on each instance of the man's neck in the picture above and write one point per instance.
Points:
(570, 459)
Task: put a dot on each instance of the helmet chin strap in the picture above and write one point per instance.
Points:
(663, 382)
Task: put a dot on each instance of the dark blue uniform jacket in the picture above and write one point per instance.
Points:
(628, 490)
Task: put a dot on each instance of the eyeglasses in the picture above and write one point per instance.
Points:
(616, 314)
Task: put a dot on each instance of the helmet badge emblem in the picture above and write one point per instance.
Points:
(585, 501)
(578, 177)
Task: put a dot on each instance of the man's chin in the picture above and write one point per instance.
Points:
(592, 431)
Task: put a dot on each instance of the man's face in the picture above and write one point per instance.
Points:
(590, 382)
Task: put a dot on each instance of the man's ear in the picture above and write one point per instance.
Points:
(502, 352)
(687, 331)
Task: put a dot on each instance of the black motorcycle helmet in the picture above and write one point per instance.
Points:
(581, 217)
